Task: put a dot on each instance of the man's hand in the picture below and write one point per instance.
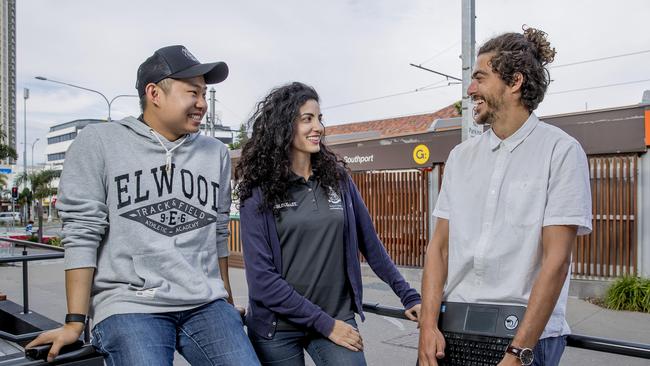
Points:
(431, 347)
(59, 337)
(240, 309)
(346, 336)
(413, 312)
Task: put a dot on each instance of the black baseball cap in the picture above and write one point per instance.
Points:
(177, 62)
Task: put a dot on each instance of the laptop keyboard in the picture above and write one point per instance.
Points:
(473, 350)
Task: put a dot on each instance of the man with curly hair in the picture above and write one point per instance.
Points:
(511, 204)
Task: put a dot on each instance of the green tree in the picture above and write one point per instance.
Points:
(6, 151)
(25, 199)
(459, 107)
(3, 180)
(40, 182)
(242, 138)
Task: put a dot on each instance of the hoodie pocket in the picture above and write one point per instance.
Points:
(172, 276)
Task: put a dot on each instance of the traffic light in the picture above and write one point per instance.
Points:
(14, 192)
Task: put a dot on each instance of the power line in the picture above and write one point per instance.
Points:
(600, 59)
(425, 88)
(228, 109)
(440, 53)
(598, 87)
(432, 86)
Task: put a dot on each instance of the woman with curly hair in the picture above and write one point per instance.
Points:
(303, 223)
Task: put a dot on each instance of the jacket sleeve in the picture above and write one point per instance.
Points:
(373, 250)
(265, 284)
(225, 199)
(82, 200)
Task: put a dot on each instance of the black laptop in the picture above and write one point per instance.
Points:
(477, 334)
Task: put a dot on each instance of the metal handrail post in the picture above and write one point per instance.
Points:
(25, 284)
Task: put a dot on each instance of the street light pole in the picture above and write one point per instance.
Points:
(108, 103)
(115, 97)
(34, 143)
(25, 97)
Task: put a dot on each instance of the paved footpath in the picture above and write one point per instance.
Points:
(387, 341)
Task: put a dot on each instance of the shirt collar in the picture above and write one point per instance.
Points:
(295, 178)
(516, 138)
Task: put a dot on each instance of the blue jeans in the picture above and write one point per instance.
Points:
(212, 334)
(548, 351)
(286, 349)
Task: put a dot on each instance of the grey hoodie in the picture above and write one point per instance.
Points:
(153, 234)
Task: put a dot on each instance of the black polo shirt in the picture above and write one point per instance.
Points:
(310, 228)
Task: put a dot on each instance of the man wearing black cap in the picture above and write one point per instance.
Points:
(145, 206)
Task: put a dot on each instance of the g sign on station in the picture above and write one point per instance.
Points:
(421, 154)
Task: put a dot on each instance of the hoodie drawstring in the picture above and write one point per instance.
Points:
(168, 152)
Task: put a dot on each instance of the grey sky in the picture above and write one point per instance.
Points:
(348, 50)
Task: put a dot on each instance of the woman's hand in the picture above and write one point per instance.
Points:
(346, 336)
(413, 313)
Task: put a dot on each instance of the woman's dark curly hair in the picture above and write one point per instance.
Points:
(527, 54)
(265, 158)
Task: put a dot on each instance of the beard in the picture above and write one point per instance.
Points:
(492, 105)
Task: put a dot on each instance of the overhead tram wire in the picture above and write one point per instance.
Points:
(421, 89)
(441, 52)
(437, 72)
(599, 59)
(598, 87)
(429, 87)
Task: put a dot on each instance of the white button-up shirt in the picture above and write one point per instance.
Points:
(497, 195)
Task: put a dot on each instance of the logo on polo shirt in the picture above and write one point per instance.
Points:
(334, 200)
(282, 205)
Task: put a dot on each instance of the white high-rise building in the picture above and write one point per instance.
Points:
(8, 71)
(59, 140)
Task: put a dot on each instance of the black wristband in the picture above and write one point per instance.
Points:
(75, 318)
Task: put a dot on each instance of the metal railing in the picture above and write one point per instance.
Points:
(630, 349)
(25, 258)
(84, 355)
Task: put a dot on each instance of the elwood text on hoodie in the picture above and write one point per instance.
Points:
(149, 214)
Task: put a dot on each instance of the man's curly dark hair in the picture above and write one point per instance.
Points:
(265, 158)
(526, 53)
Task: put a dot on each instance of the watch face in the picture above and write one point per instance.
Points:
(526, 356)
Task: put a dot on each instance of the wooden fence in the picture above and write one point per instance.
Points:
(398, 202)
(611, 249)
(234, 243)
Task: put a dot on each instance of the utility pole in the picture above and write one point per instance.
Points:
(213, 113)
(470, 128)
(25, 207)
(25, 97)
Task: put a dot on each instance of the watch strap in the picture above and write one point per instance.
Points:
(517, 352)
(75, 318)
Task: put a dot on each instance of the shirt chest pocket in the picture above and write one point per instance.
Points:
(525, 200)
